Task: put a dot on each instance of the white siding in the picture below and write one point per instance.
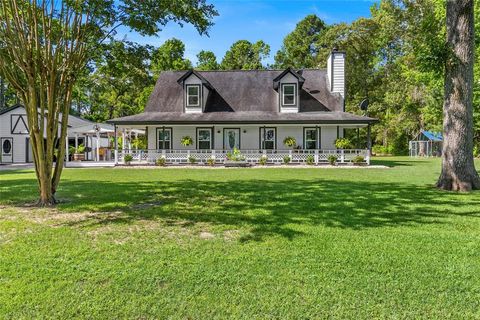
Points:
(328, 137)
(19, 140)
(288, 78)
(336, 72)
(204, 94)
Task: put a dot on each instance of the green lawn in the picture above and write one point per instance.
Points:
(241, 243)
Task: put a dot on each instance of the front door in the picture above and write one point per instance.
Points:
(6, 152)
(231, 138)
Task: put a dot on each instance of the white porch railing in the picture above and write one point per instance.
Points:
(301, 156)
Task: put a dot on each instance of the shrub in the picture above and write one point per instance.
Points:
(286, 159)
(161, 162)
(211, 161)
(310, 160)
(263, 160)
(80, 149)
(192, 160)
(476, 151)
(236, 155)
(332, 159)
(127, 158)
(290, 142)
(186, 141)
(358, 159)
(343, 143)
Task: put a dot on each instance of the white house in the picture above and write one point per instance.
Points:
(14, 135)
(251, 110)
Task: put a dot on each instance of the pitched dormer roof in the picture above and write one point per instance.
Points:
(297, 75)
(187, 74)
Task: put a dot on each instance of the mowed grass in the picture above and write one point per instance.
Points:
(241, 243)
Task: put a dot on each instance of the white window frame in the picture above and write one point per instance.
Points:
(169, 141)
(188, 95)
(294, 85)
(210, 140)
(317, 137)
(263, 133)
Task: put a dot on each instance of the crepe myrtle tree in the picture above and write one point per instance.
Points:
(45, 44)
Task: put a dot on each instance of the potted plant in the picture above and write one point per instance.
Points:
(235, 159)
(186, 141)
(128, 159)
(332, 159)
(287, 159)
(290, 142)
(79, 153)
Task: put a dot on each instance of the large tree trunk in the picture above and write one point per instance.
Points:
(458, 169)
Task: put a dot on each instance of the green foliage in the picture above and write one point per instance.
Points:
(161, 162)
(310, 160)
(343, 143)
(299, 49)
(170, 56)
(236, 155)
(211, 161)
(332, 159)
(263, 160)
(287, 159)
(207, 61)
(358, 159)
(80, 149)
(186, 141)
(290, 142)
(140, 142)
(244, 55)
(127, 158)
(192, 160)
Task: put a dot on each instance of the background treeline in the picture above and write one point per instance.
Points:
(395, 58)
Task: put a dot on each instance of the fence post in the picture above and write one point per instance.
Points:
(368, 158)
(316, 156)
(115, 156)
(342, 155)
(213, 154)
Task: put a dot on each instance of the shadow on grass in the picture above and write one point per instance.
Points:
(264, 207)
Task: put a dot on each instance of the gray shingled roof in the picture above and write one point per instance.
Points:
(243, 96)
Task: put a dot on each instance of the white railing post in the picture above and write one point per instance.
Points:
(342, 156)
(115, 156)
(367, 158)
(316, 156)
(213, 154)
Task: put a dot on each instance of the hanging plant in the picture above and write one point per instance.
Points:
(290, 142)
(186, 141)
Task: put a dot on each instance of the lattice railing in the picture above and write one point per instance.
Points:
(277, 156)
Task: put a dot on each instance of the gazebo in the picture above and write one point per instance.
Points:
(426, 144)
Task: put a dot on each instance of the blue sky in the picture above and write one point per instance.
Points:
(267, 20)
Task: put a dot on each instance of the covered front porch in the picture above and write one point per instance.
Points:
(268, 144)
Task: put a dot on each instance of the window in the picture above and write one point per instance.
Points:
(204, 138)
(193, 95)
(267, 138)
(311, 138)
(289, 93)
(164, 136)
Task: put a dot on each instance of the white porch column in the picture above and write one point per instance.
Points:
(98, 147)
(66, 151)
(123, 140)
(76, 140)
(115, 153)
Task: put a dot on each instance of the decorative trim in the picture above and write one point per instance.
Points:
(282, 95)
(13, 127)
(199, 96)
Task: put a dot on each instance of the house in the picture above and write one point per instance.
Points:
(14, 136)
(253, 111)
(426, 144)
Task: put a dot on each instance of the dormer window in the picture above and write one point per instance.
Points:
(193, 95)
(289, 94)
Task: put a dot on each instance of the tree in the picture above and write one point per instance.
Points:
(170, 56)
(244, 55)
(207, 61)
(458, 168)
(299, 48)
(45, 44)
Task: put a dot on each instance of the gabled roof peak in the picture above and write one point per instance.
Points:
(198, 75)
(296, 74)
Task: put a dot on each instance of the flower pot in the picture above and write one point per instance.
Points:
(78, 156)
